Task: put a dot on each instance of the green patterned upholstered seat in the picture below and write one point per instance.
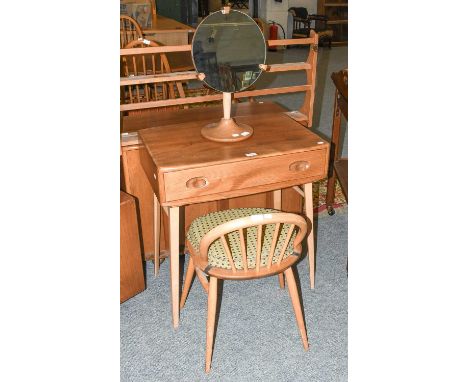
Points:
(216, 254)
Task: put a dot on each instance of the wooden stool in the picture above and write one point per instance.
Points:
(241, 244)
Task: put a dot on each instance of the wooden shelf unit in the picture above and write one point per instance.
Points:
(337, 12)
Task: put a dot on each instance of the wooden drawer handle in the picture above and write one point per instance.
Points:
(198, 182)
(301, 165)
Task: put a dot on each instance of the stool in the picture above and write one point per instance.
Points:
(240, 244)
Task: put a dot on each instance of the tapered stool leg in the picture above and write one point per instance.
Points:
(187, 282)
(281, 280)
(210, 320)
(292, 286)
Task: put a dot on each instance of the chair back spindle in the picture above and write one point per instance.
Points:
(130, 30)
(137, 65)
(257, 242)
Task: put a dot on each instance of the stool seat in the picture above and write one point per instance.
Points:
(217, 256)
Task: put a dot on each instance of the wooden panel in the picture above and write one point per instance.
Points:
(193, 211)
(132, 280)
(137, 184)
(264, 200)
(149, 168)
(222, 178)
(291, 201)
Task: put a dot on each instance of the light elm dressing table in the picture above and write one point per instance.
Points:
(189, 161)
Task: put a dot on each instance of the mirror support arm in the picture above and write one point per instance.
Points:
(227, 101)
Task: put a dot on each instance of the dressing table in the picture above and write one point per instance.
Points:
(184, 168)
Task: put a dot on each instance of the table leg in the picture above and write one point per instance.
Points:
(174, 262)
(157, 233)
(277, 206)
(334, 155)
(309, 209)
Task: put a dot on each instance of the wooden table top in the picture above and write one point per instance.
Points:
(163, 24)
(197, 114)
(174, 140)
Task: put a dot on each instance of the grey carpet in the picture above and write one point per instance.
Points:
(257, 337)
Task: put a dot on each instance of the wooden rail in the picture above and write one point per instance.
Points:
(303, 115)
(156, 49)
(155, 78)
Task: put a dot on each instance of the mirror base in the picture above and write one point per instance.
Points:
(227, 130)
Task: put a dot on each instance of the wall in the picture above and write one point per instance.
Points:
(184, 11)
(272, 10)
(311, 5)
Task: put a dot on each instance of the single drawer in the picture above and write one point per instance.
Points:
(245, 174)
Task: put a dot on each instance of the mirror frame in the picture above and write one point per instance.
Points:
(227, 10)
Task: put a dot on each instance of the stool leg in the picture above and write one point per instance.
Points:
(188, 282)
(281, 280)
(292, 286)
(210, 321)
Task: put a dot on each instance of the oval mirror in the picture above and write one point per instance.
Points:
(228, 48)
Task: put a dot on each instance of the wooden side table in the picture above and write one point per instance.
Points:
(183, 168)
(132, 280)
(338, 165)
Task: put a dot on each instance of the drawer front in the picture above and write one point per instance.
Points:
(245, 174)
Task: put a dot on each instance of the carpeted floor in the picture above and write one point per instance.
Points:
(257, 337)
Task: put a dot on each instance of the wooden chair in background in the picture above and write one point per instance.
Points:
(129, 30)
(338, 164)
(302, 25)
(241, 244)
(149, 64)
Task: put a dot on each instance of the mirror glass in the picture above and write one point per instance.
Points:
(228, 48)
